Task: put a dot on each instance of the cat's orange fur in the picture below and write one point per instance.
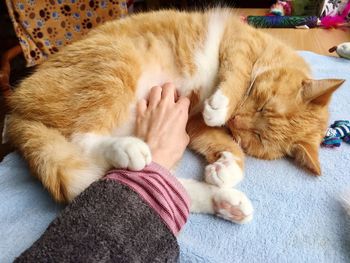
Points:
(89, 86)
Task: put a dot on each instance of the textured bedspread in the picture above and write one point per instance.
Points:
(298, 218)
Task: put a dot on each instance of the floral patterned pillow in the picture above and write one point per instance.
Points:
(44, 26)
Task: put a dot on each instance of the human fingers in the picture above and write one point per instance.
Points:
(183, 103)
(141, 107)
(177, 95)
(168, 92)
(154, 97)
(182, 106)
(141, 126)
(186, 139)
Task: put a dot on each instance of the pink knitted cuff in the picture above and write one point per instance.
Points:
(161, 190)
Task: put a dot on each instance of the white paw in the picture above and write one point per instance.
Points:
(215, 109)
(128, 152)
(233, 205)
(224, 172)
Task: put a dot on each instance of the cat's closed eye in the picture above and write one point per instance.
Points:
(258, 136)
(260, 109)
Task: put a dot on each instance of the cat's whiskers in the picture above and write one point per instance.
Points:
(246, 96)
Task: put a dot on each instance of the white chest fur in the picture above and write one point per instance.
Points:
(207, 58)
(207, 65)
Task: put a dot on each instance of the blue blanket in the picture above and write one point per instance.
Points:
(298, 218)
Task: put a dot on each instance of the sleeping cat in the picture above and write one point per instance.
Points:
(74, 117)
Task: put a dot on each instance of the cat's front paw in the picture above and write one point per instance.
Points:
(216, 109)
(129, 152)
(233, 205)
(225, 172)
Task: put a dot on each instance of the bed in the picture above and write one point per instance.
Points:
(298, 217)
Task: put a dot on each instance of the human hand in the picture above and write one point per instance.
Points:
(162, 124)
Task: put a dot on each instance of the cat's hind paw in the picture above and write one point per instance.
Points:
(216, 109)
(129, 152)
(233, 205)
(225, 172)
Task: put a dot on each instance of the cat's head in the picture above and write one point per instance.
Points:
(284, 114)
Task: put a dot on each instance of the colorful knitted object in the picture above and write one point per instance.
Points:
(281, 8)
(339, 130)
(282, 21)
(340, 19)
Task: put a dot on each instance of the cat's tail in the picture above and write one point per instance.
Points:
(56, 162)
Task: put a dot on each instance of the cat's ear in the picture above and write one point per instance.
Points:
(319, 91)
(306, 155)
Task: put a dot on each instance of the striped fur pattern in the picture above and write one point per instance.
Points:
(74, 117)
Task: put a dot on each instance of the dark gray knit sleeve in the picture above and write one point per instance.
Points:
(108, 222)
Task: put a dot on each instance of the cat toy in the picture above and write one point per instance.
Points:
(338, 20)
(281, 8)
(339, 131)
(279, 17)
(282, 21)
(343, 50)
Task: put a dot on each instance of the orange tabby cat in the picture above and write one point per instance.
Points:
(73, 118)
